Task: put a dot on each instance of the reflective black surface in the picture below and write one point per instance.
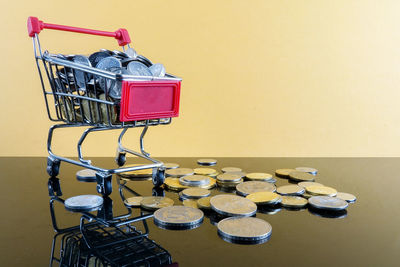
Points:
(366, 234)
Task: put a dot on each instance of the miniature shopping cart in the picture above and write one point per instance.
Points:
(78, 95)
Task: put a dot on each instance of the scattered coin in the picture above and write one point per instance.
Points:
(154, 203)
(143, 173)
(207, 162)
(179, 172)
(178, 217)
(205, 171)
(346, 196)
(283, 173)
(241, 174)
(228, 185)
(228, 178)
(326, 202)
(259, 176)
(299, 176)
(212, 184)
(204, 203)
(305, 184)
(254, 186)
(190, 203)
(133, 201)
(83, 203)
(244, 230)
(290, 190)
(231, 205)
(86, 175)
(307, 170)
(194, 180)
(321, 191)
(264, 197)
(195, 193)
(293, 201)
(171, 165)
(174, 184)
(231, 169)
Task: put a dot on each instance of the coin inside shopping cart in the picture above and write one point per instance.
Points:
(83, 203)
(112, 87)
(97, 56)
(81, 77)
(138, 69)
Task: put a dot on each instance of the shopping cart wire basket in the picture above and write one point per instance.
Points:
(80, 95)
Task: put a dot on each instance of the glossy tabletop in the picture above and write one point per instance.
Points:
(367, 234)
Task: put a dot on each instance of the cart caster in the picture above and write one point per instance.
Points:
(120, 158)
(158, 192)
(104, 183)
(158, 177)
(53, 166)
(54, 187)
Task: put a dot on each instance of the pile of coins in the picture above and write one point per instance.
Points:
(232, 214)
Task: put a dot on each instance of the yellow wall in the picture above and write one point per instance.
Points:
(260, 78)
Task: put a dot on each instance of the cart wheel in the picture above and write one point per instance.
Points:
(54, 187)
(53, 166)
(158, 177)
(104, 183)
(120, 159)
(158, 192)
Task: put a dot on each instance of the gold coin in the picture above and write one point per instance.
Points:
(283, 172)
(179, 172)
(171, 165)
(301, 176)
(212, 184)
(144, 173)
(173, 183)
(205, 171)
(190, 203)
(231, 169)
(306, 195)
(293, 201)
(133, 201)
(321, 190)
(154, 203)
(259, 176)
(264, 197)
(204, 203)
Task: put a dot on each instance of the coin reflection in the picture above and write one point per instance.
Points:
(328, 213)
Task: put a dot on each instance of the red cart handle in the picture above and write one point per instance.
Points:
(35, 26)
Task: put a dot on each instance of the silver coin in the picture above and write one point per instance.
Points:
(86, 175)
(300, 176)
(241, 174)
(194, 180)
(346, 196)
(305, 184)
(157, 70)
(246, 229)
(231, 205)
(131, 52)
(195, 193)
(97, 56)
(207, 162)
(153, 203)
(112, 87)
(328, 203)
(83, 203)
(178, 217)
(228, 177)
(308, 170)
(171, 165)
(247, 188)
(138, 69)
(231, 169)
(290, 190)
(81, 77)
(179, 172)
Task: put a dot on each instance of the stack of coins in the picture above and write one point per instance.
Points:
(229, 180)
(250, 187)
(206, 171)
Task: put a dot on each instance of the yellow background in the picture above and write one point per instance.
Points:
(260, 78)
